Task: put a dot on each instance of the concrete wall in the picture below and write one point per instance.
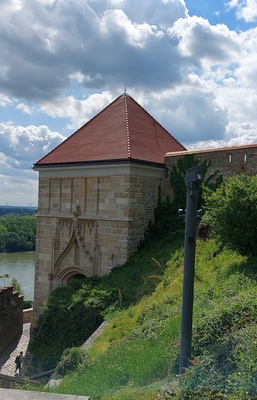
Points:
(11, 316)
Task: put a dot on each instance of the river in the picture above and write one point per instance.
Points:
(22, 267)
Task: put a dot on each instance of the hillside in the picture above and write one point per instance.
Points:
(137, 355)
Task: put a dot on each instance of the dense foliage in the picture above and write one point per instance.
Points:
(167, 221)
(17, 233)
(84, 304)
(71, 315)
(232, 213)
(137, 356)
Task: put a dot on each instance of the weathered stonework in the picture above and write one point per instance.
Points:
(11, 316)
(228, 160)
(90, 220)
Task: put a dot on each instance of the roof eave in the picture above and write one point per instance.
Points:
(37, 166)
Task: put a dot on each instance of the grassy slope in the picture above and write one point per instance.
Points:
(137, 355)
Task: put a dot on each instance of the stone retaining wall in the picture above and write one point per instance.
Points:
(11, 316)
(28, 315)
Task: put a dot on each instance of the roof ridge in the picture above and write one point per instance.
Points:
(122, 130)
(127, 126)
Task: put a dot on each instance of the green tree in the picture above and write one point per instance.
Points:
(166, 219)
(17, 233)
(232, 213)
(177, 179)
(3, 232)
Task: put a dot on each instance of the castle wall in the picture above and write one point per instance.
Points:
(11, 316)
(228, 160)
(90, 220)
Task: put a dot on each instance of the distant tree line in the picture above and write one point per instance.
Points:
(18, 210)
(17, 233)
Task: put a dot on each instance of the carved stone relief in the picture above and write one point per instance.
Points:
(70, 253)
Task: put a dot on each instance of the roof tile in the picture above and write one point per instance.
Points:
(122, 131)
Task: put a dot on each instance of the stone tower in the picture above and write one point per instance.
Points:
(97, 193)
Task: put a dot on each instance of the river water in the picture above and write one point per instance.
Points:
(22, 267)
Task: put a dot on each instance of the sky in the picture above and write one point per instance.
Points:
(192, 64)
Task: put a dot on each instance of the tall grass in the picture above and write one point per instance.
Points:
(137, 355)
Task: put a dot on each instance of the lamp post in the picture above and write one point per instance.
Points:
(193, 180)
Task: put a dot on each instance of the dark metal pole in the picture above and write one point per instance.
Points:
(192, 180)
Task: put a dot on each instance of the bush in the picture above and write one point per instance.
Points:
(228, 369)
(71, 360)
(27, 304)
(224, 351)
(244, 379)
(215, 325)
(167, 223)
(232, 213)
(79, 305)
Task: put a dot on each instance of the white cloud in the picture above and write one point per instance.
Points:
(25, 108)
(18, 191)
(72, 37)
(162, 13)
(116, 22)
(78, 110)
(63, 61)
(206, 45)
(245, 9)
(236, 135)
(5, 100)
(22, 146)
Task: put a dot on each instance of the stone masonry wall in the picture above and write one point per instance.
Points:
(93, 221)
(228, 161)
(88, 225)
(11, 316)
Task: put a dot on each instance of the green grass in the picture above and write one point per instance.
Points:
(137, 355)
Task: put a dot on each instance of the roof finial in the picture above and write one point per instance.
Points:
(125, 90)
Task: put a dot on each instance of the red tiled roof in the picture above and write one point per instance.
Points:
(122, 131)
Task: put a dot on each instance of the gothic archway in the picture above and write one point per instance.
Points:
(66, 274)
(78, 277)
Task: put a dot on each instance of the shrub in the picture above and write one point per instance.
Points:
(79, 305)
(27, 304)
(167, 223)
(212, 327)
(244, 379)
(232, 213)
(71, 360)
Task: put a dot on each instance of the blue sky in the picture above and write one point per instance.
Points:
(191, 64)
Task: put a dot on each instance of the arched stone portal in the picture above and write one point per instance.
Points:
(70, 273)
(78, 277)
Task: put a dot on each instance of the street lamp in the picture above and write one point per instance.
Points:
(193, 179)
